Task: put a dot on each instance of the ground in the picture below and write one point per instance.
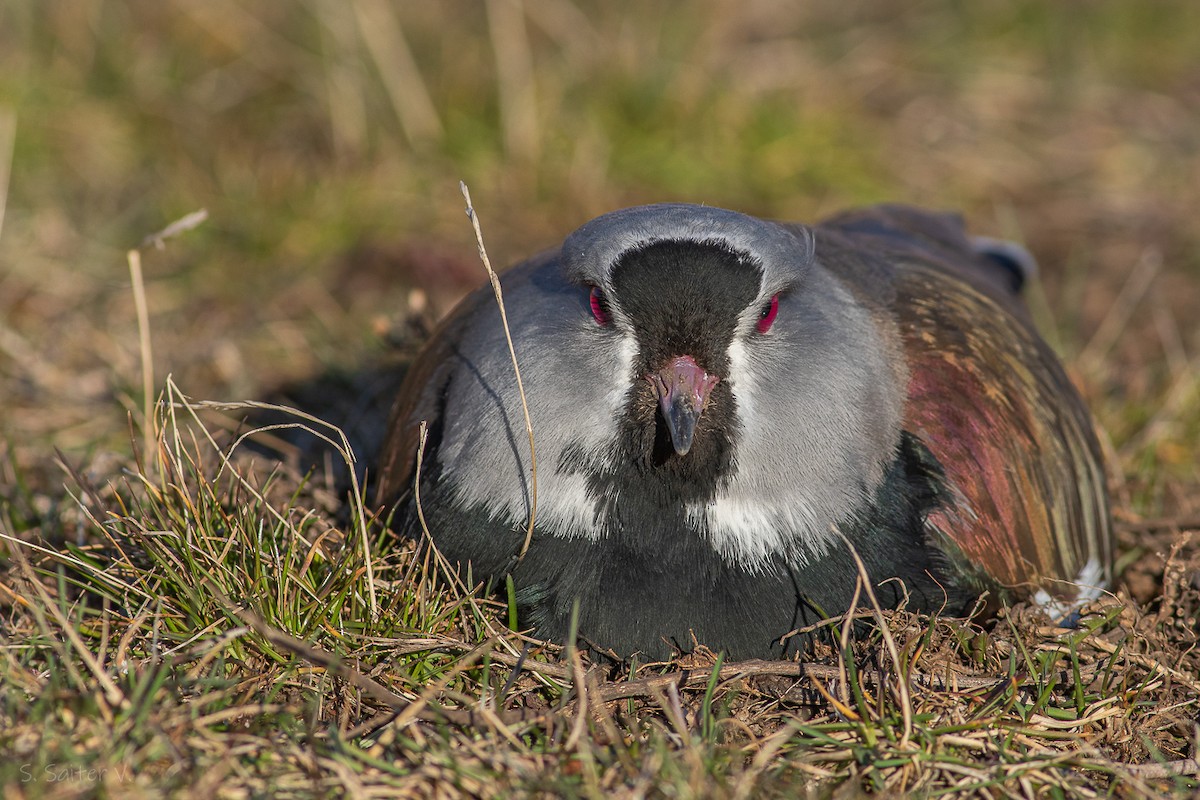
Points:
(179, 614)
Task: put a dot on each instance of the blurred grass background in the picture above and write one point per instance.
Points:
(326, 141)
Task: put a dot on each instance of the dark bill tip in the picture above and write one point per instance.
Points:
(682, 388)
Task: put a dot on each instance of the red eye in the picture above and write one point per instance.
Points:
(600, 307)
(767, 315)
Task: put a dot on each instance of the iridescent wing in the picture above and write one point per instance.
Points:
(993, 405)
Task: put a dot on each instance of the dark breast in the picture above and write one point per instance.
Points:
(651, 584)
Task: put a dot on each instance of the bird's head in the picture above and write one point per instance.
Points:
(687, 290)
(759, 392)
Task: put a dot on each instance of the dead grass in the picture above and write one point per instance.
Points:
(215, 629)
(195, 618)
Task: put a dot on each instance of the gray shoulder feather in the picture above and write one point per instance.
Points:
(817, 429)
(485, 453)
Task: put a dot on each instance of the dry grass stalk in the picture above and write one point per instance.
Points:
(495, 281)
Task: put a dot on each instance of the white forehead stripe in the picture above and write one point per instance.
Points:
(600, 243)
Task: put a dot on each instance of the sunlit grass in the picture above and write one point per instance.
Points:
(198, 618)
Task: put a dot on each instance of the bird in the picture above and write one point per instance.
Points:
(725, 409)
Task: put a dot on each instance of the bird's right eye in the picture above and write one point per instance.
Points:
(600, 308)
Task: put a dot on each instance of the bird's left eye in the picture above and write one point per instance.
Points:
(600, 308)
(766, 316)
